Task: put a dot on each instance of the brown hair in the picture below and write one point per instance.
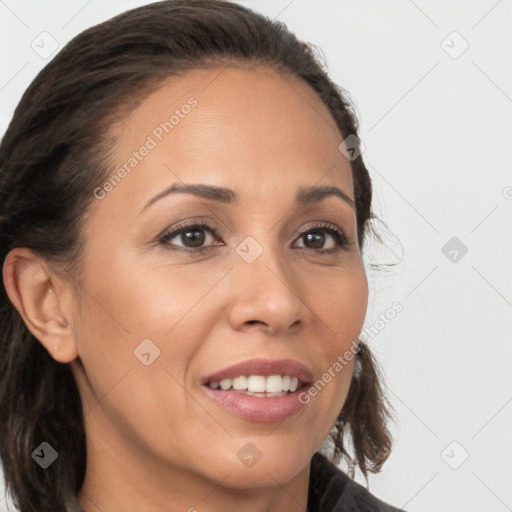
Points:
(53, 155)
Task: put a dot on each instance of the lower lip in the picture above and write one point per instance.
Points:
(273, 409)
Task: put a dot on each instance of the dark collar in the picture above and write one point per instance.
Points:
(332, 490)
(326, 484)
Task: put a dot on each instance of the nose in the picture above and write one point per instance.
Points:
(267, 294)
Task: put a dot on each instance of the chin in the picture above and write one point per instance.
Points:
(253, 470)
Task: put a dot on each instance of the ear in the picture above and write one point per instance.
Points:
(36, 293)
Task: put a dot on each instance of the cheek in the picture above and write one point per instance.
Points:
(340, 305)
(144, 402)
(172, 307)
(340, 301)
(156, 298)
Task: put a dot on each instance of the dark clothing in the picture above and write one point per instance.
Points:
(331, 490)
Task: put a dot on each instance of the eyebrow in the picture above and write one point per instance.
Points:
(305, 195)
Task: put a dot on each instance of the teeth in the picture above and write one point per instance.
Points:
(240, 383)
(273, 385)
(225, 384)
(256, 384)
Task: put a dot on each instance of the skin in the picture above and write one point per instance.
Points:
(156, 441)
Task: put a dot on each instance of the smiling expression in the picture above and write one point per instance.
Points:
(256, 264)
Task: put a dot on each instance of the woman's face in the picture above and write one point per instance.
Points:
(164, 314)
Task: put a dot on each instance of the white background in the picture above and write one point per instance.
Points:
(437, 131)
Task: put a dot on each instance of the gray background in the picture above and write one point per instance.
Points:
(436, 120)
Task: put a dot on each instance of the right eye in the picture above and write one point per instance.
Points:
(192, 233)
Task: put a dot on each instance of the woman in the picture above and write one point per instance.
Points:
(184, 209)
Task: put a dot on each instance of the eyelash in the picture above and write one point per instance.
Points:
(338, 235)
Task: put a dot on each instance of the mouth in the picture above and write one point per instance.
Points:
(260, 390)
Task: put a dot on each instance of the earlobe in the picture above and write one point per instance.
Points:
(34, 292)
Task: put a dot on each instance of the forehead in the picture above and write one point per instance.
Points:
(251, 129)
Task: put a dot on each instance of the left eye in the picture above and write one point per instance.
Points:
(317, 237)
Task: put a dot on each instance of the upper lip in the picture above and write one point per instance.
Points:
(265, 367)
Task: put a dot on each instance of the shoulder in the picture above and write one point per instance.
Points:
(331, 490)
